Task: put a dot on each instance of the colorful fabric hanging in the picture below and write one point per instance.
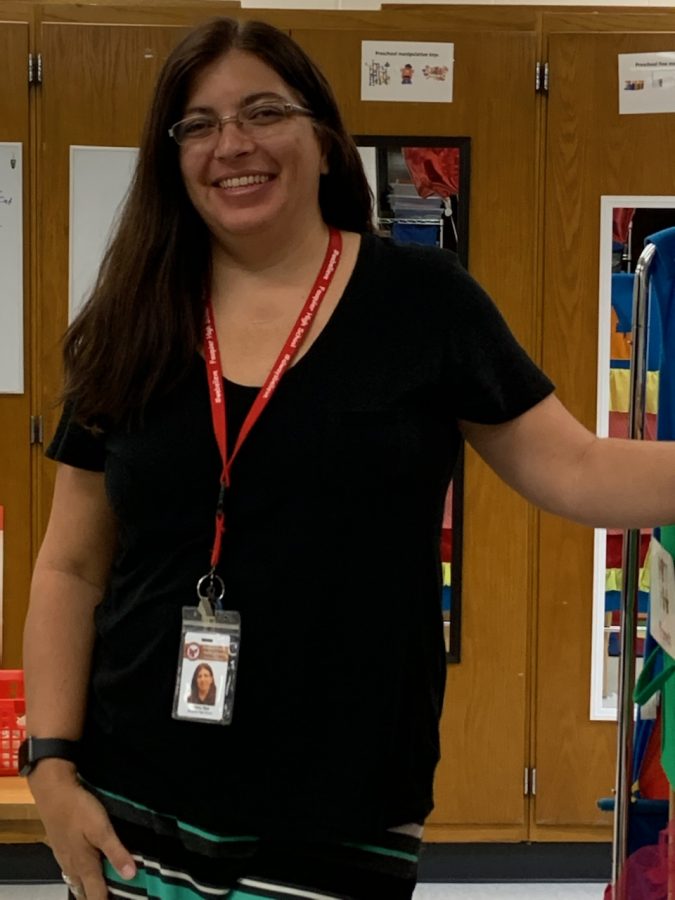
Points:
(434, 170)
(659, 667)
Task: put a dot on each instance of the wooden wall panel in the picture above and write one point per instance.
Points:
(15, 451)
(592, 151)
(620, 19)
(106, 109)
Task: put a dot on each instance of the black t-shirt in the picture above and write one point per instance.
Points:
(331, 557)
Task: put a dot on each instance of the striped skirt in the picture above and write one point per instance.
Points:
(177, 861)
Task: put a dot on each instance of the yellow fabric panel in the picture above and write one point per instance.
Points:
(614, 578)
(644, 573)
(619, 390)
(447, 574)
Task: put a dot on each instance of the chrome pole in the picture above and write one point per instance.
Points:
(631, 569)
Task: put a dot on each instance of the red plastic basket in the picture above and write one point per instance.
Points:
(12, 719)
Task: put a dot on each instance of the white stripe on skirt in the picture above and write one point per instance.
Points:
(284, 889)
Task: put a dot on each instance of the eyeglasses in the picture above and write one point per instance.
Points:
(253, 120)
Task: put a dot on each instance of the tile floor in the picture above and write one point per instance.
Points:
(423, 892)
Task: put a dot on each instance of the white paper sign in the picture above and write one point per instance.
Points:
(99, 180)
(407, 71)
(647, 82)
(662, 597)
(11, 269)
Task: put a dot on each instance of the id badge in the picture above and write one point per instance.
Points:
(207, 666)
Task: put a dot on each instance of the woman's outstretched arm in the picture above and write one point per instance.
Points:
(555, 462)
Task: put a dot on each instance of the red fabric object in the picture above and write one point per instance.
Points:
(645, 874)
(621, 219)
(615, 544)
(447, 509)
(618, 425)
(434, 170)
(446, 533)
(446, 545)
(653, 782)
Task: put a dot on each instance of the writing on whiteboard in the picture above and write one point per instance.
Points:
(4, 199)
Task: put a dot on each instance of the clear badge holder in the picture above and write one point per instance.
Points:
(207, 664)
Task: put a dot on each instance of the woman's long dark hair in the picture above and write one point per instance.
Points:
(140, 328)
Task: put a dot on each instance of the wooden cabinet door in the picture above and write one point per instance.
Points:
(105, 108)
(591, 151)
(15, 449)
(479, 784)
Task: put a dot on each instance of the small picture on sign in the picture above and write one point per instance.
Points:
(438, 73)
(407, 73)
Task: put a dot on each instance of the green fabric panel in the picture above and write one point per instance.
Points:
(238, 894)
(218, 838)
(667, 533)
(156, 887)
(209, 836)
(668, 538)
(668, 722)
(124, 800)
(647, 685)
(383, 851)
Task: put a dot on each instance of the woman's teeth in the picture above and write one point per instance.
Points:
(243, 181)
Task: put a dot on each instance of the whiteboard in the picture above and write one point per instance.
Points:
(11, 267)
(99, 181)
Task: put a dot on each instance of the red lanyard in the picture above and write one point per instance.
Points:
(285, 358)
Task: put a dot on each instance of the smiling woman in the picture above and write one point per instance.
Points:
(263, 404)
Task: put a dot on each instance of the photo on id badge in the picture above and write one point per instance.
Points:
(203, 676)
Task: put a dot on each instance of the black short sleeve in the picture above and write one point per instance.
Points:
(493, 378)
(75, 445)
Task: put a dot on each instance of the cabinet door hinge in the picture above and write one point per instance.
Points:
(541, 78)
(35, 68)
(36, 430)
(530, 782)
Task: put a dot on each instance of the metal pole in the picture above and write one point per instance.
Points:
(631, 567)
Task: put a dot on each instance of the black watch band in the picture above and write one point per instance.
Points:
(33, 749)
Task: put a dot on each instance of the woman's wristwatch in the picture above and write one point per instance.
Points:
(33, 749)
